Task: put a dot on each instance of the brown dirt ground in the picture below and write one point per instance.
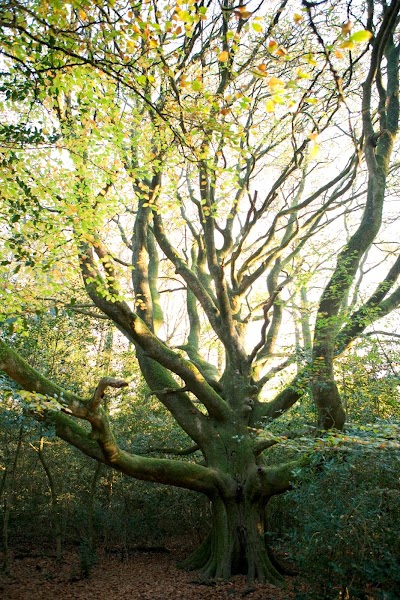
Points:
(144, 576)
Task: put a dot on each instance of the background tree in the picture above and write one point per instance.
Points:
(175, 157)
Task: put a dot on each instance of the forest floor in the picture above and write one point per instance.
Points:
(143, 575)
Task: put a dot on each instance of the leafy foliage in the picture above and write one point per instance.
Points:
(342, 520)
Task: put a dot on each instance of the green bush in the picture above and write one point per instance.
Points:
(341, 524)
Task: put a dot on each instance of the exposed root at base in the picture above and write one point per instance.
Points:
(211, 570)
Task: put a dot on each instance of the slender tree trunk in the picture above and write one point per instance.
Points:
(90, 514)
(330, 317)
(8, 491)
(3, 483)
(305, 323)
(55, 508)
(109, 494)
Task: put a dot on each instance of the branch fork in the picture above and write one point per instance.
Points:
(103, 384)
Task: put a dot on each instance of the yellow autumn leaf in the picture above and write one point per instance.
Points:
(311, 60)
(281, 52)
(314, 150)
(348, 45)
(297, 18)
(183, 15)
(274, 82)
(197, 85)
(242, 13)
(223, 56)
(272, 45)
(270, 106)
(302, 74)
(183, 82)
(259, 73)
(278, 99)
(82, 14)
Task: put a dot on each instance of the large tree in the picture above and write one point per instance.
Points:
(162, 159)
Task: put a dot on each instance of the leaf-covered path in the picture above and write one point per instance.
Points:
(144, 576)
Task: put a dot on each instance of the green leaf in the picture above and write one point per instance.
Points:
(257, 27)
(197, 86)
(142, 79)
(360, 37)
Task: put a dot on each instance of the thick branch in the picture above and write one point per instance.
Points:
(142, 267)
(176, 451)
(264, 482)
(31, 380)
(266, 307)
(159, 470)
(372, 310)
(138, 332)
(100, 444)
(190, 278)
(379, 45)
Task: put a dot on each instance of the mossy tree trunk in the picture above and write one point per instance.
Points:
(334, 317)
(236, 544)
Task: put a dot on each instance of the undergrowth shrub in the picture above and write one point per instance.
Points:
(341, 524)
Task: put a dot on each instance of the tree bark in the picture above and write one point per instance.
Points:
(235, 544)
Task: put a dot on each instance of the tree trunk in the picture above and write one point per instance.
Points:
(90, 513)
(55, 508)
(8, 502)
(235, 544)
(324, 389)
(331, 414)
